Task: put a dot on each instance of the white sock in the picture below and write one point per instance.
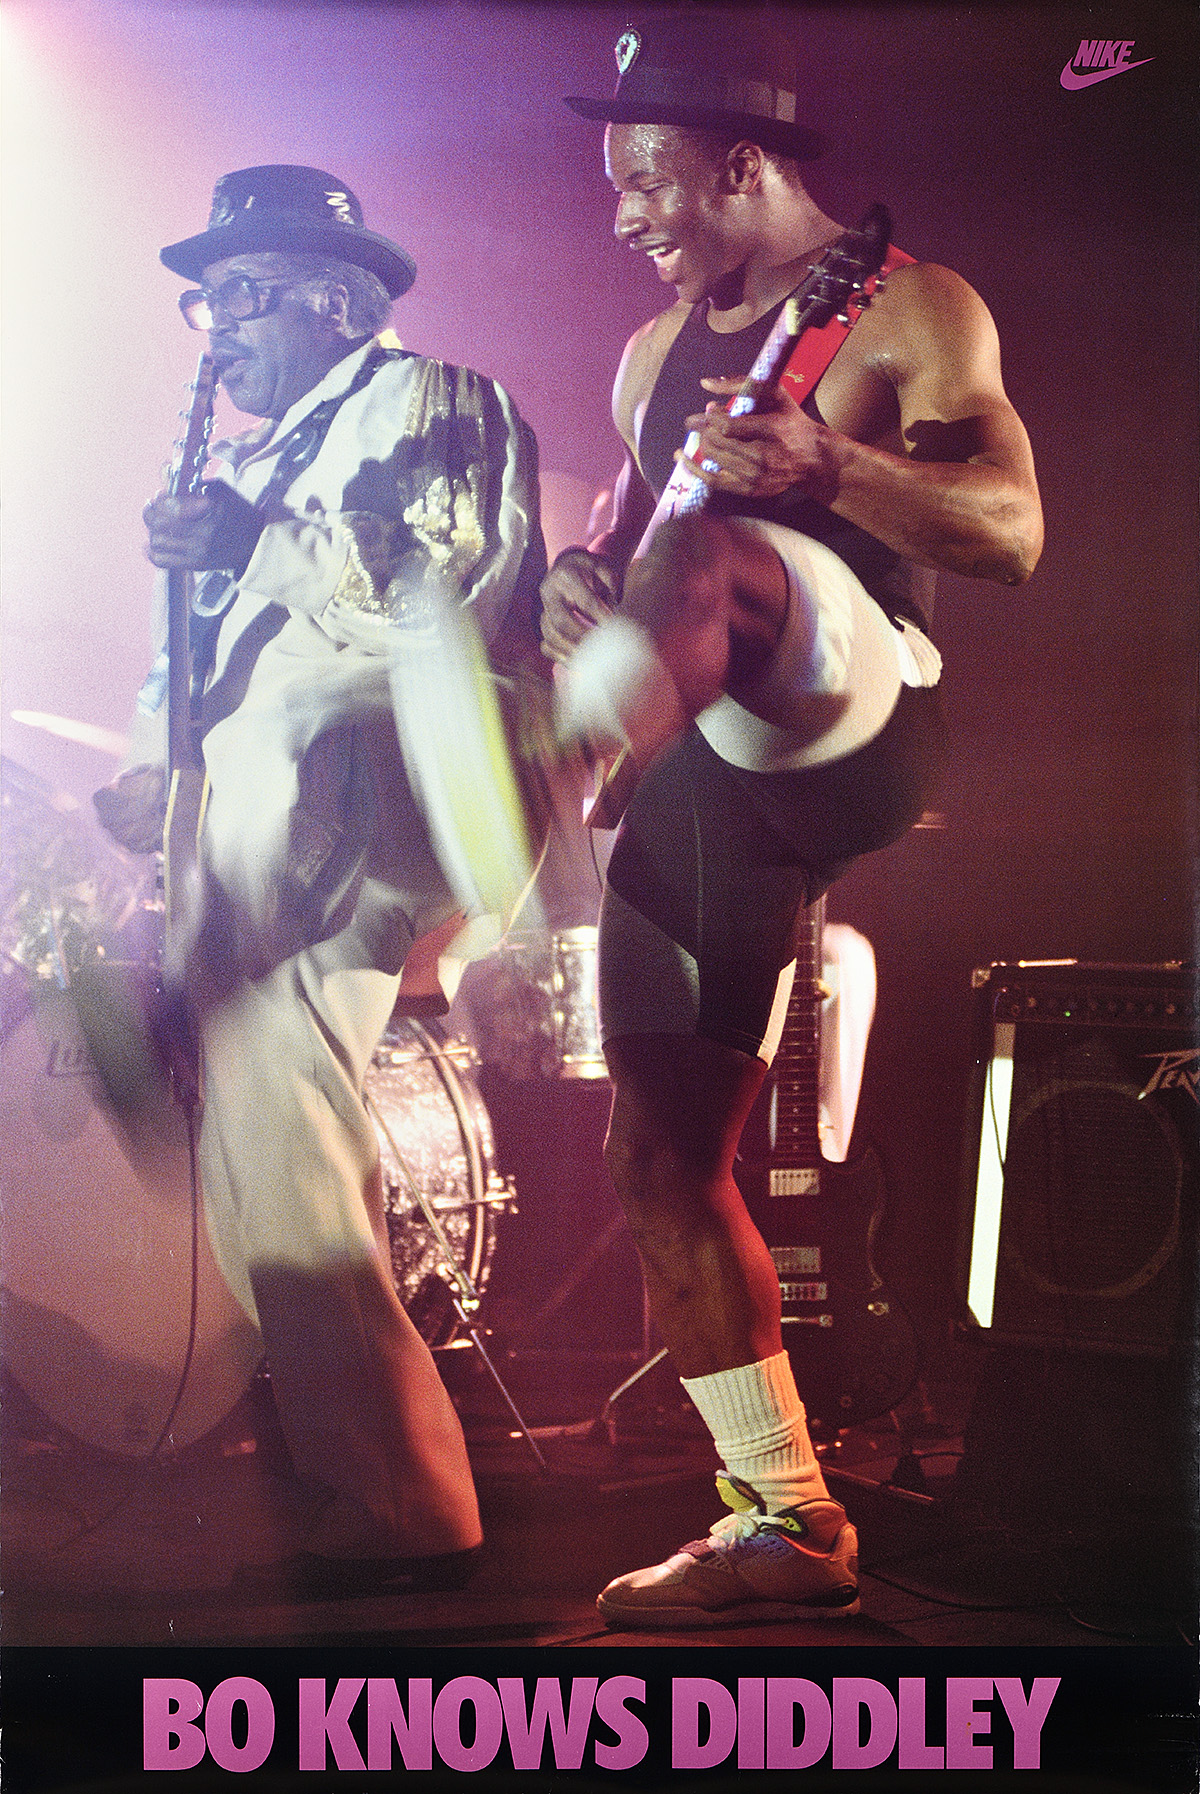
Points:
(757, 1421)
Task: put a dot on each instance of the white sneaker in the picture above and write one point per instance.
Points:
(798, 1564)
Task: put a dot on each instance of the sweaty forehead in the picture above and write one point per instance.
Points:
(636, 151)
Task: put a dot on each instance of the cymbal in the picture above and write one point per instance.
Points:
(105, 741)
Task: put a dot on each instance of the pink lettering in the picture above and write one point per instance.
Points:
(850, 1695)
(914, 1752)
(319, 1725)
(690, 1694)
(447, 1723)
(260, 1724)
(386, 1718)
(527, 1736)
(633, 1740)
(1027, 1717)
(752, 1723)
(170, 1737)
(964, 1722)
(784, 1695)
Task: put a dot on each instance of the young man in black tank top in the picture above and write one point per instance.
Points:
(816, 727)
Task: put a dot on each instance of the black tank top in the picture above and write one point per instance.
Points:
(899, 588)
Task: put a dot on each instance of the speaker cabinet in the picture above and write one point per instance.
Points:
(1080, 1227)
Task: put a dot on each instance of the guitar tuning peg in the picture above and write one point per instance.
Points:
(843, 320)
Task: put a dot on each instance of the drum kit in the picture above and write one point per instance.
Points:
(110, 1290)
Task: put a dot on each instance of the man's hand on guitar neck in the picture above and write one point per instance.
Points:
(197, 531)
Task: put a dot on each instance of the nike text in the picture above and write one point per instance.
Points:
(1098, 59)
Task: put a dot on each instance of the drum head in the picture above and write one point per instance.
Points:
(437, 1156)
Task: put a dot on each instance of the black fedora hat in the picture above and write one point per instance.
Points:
(288, 208)
(709, 71)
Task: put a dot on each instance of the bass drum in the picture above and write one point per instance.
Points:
(441, 1192)
(106, 1278)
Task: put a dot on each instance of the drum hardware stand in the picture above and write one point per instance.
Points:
(605, 1419)
(464, 1297)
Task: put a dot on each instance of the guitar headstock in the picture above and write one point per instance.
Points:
(841, 273)
(191, 449)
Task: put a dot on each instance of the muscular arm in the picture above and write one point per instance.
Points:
(961, 494)
(584, 584)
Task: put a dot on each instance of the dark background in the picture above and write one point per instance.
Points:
(1069, 812)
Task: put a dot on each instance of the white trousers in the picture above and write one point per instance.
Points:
(290, 1168)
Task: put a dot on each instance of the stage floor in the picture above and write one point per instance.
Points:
(105, 1550)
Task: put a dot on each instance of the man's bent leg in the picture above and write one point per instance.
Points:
(679, 1106)
(290, 1167)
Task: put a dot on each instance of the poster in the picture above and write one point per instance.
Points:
(1044, 152)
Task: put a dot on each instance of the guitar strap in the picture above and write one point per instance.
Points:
(818, 346)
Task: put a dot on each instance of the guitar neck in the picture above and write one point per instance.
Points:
(795, 1155)
(183, 747)
(686, 493)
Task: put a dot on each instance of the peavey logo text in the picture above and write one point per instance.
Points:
(1176, 1071)
(1098, 59)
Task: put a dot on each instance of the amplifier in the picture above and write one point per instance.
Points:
(1082, 1146)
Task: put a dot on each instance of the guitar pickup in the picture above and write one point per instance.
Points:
(804, 1292)
(793, 1181)
(798, 1260)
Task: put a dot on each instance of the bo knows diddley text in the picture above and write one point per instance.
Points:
(774, 1722)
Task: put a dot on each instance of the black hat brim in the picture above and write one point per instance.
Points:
(769, 133)
(393, 265)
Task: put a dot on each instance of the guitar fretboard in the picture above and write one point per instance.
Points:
(795, 1130)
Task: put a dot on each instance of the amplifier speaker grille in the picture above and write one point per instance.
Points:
(1082, 1157)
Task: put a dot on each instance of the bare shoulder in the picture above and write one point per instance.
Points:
(639, 368)
(927, 312)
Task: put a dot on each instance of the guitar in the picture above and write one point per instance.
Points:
(185, 762)
(852, 1348)
(835, 292)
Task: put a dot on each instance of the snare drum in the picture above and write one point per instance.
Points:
(437, 1155)
(534, 1007)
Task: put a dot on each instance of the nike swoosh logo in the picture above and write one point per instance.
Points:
(1072, 81)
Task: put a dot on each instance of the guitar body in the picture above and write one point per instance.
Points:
(853, 1349)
